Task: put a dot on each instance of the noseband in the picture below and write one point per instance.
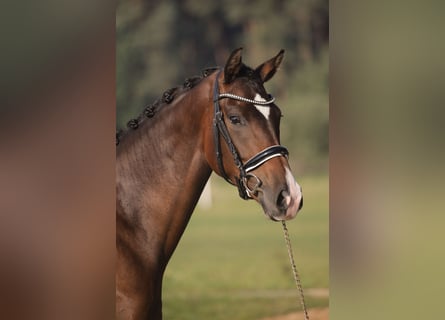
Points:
(220, 128)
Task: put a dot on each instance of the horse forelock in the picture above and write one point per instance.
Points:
(248, 78)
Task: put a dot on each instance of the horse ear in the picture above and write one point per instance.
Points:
(268, 68)
(233, 65)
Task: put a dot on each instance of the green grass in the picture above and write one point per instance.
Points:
(232, 261)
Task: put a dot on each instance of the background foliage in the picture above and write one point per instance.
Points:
(160, 43)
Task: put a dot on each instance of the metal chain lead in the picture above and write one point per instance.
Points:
(294, 269)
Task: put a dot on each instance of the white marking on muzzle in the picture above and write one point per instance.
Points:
(294, 194)
(265, 110)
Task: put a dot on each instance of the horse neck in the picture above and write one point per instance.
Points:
(162, 172)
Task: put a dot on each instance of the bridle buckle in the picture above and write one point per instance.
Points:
(252, 184)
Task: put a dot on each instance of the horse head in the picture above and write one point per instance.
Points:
(243, 145)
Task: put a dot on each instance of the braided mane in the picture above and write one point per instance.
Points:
(167, 97)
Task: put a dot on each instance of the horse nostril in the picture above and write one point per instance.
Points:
(283, 200)
(301, 203)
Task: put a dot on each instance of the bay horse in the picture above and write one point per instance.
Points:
(224, 122)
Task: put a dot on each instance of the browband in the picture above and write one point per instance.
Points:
(235, 97)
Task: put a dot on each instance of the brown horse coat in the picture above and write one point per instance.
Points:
(164, 162)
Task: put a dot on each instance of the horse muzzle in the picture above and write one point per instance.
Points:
(283, 204)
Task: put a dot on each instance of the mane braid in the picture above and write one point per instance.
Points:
(167, 98)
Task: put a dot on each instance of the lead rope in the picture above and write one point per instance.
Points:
(294, 269)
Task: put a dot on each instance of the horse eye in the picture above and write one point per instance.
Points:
(235, 119)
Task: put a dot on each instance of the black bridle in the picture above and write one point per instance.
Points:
(220, 129)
